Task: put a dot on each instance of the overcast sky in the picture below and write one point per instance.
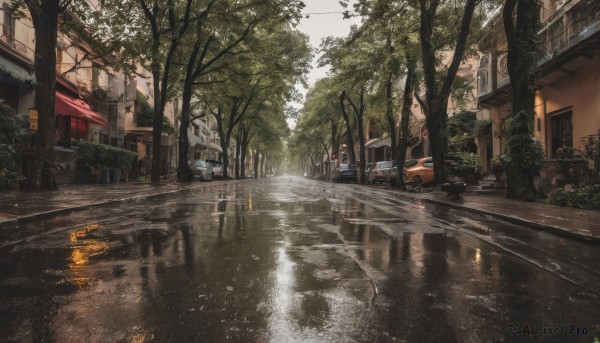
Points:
(324, 19)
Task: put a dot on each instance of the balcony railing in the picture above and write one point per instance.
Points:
(8, 37)
(570, 27)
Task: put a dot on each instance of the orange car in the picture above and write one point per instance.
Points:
(420, 173)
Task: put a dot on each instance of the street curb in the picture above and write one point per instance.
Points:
(559, 231)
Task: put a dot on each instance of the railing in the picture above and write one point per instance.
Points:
(8, 37)
(573, 24)
(552, 8)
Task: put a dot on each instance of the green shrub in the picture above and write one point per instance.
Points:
(592, 151)
(482, 128)
(14, 135)
(584, 196)
(464, 165)
(102, 156)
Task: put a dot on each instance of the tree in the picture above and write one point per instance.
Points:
(44, 15)
(166, 21)
(435, 39)
(382, 29)
(320, 123)
(351, 66)
(216, 36)
(394, 26)
(524, 156)
(407, 100)
(267, 133)
(278, 59)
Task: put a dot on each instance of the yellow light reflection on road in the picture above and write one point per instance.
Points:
(250, 201)
(478, 258)
(82, 250)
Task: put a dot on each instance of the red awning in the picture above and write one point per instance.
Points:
(64, 105)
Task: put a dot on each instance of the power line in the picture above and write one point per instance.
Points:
(325, 13)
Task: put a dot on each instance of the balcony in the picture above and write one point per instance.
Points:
(573, 23)
(8, 39)
(570, 28)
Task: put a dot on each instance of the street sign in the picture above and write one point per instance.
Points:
(33, 119)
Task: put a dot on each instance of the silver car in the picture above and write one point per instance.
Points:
(217, 169)
(380, 172)
(201, 170)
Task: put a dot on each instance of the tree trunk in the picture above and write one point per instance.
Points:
(157, 122)
(350, 139)
(244, 148)
(438, 139)
(223, 140)
(237, 157)
(436, 102)
(183, 171)
(521, 36)
(389, 114)
(186, 108)
(407, 100)
(359, 111)
(45, 22)
(335, 147)
(262, 166)
(256, 163)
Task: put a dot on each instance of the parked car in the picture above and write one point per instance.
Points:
(421, 172)
(380, 172)
(201, 170)
(409, 163)
(394, 173)
(217, 171)
(346, 172)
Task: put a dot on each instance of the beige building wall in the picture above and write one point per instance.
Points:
(580, 93)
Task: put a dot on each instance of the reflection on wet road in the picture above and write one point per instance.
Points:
(287, 259)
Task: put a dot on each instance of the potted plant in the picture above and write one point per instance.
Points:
(126, 161)
(497, 167)
(562, 166)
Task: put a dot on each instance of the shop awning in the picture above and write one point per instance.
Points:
(67, 106)
(214, 146)
(379, 142)
(13, 72)
(195, 140)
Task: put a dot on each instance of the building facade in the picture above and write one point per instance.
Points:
(567, 104)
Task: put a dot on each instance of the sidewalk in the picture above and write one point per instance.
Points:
(22, 206)
(565, 221)
(19, 206)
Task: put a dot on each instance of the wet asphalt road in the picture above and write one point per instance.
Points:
(292, 260)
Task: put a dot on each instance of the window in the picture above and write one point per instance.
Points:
(557, 36)
(561, 126)
(428, 163)
(8, 24)
(483, 79)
